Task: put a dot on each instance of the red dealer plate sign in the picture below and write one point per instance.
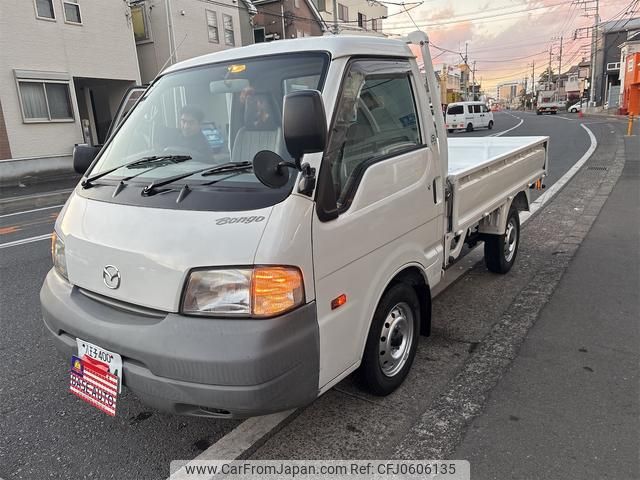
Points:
(96, 381)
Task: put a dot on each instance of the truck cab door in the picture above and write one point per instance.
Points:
(376, 207)
(129, 99)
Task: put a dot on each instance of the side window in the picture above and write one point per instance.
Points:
(477, 109)
(375, 118)
(470, 108)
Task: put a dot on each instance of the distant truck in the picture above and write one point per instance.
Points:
(547, 103)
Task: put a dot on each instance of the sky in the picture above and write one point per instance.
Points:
(504, 37)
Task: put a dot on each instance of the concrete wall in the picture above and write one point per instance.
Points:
(102, 47)
(190, 32)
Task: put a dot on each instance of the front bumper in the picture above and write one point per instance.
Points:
(194, 365)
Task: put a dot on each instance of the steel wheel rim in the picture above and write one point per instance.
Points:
(510, 240)
(396, 339)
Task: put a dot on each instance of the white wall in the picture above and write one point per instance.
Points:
(102, 47)
(189, 30)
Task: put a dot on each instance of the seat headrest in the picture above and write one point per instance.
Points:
(260, 113)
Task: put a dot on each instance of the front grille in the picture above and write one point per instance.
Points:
(123, 306)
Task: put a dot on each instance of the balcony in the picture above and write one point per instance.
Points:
(613, 67)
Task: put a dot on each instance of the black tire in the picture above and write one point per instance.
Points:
(538, 113)
(450, 130)
(371, 374)
(470, 127)
(553, 112)
(499, 256)
(490, 126)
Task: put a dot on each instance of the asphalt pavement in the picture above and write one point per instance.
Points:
(568, 407)
(39, 416)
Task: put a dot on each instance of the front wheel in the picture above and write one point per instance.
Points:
(392, 341)
(500, 250)
(470, 127)
(490, 125)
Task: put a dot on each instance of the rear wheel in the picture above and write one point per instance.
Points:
(490, 126)
(470, 127)
(392, 341)
(500, 250)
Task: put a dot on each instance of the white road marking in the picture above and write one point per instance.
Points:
(24, 241)
(505, 131)
(237, 441)
(36, 195)
(30, 211)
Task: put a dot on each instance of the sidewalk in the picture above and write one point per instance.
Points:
(569, 405)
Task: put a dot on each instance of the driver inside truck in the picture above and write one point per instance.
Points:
(191, 136)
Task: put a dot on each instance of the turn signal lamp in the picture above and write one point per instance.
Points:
(244, 292)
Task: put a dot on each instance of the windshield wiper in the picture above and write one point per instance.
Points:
(88, 182)
(225, 167)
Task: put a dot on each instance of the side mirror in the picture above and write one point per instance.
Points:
(304, 123)
(271, 169)
(83, 156)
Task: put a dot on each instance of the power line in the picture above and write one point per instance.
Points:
(472, 19)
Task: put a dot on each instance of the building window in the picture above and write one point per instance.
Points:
(374, 24)
(322, 5)
(45, 101)
(343, 13)
(362, 20)
(44, 9)
(71, 11)
(212, 26)
(140, 21)
(228, 30)
(296, 3)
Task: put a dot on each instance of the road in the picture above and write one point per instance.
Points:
(65, 438)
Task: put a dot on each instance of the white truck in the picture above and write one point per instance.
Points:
(252, 277)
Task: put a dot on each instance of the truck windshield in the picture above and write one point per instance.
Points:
(216, 114)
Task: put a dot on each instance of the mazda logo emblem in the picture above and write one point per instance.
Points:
(111, 277)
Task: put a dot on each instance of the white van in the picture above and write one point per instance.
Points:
(250, 275)
(468, 116)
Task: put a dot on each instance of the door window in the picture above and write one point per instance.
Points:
(376, 118)
(476, 109)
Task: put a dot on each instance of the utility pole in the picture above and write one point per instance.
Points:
(596, 24)
(560, 63)
(549, 70)
(335, 17)
(533, 77)
(466, 80)
(473, 82)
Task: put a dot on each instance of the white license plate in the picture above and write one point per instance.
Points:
(113, 360)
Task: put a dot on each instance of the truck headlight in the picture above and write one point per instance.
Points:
(246, 292)
(58, 256)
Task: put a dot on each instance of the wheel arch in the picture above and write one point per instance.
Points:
(415, 277)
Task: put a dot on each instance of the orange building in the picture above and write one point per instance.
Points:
(631, 89)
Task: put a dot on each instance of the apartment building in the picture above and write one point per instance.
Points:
(168, 31)
(352, 15)
(611, 35)
(281, 19)
(64, 66)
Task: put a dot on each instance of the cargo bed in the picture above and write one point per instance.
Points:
(485, 171)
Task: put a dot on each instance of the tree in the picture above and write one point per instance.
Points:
(544, 76)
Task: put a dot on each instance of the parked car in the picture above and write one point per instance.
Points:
(468, 116)
(575, 108)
